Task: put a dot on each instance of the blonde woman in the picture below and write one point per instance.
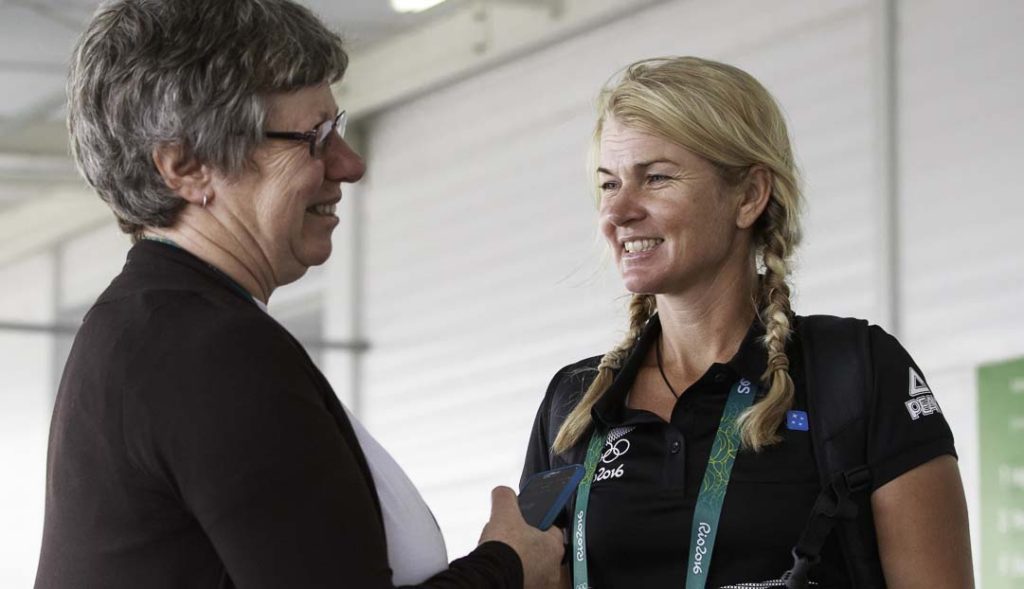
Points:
(697, 430)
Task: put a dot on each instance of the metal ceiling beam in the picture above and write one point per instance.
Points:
(455, 45)
(461, 44)
(43, 138)
(554, 7)
(39, 111)
(56, 12)
(46, 328)
(444, 50)
(32, 67)
(43, 169)
(354, 345)
(47, 219)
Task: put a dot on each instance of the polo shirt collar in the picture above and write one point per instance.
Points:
(749, 362)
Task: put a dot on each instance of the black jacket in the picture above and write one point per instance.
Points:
(194, 444)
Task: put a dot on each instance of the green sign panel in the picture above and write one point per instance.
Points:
(1001, 416)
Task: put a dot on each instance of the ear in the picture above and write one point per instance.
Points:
(182, 173)
(757, 190)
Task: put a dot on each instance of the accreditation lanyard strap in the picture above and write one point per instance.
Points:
(709, 502)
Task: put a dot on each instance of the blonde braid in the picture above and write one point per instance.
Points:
(641, 308)
(760, 422)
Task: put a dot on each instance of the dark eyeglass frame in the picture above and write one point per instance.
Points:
(318, 137)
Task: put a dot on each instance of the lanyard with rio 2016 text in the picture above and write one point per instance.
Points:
(709, 502)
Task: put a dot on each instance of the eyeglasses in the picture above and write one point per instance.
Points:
(318, 137)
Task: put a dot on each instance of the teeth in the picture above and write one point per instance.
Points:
(641, 245)
(323, 209)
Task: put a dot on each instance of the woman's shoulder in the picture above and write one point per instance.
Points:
(171, 314)
(163, 287)
(564, 392)
(571, 381)
(580, 367)
(819, 327)
(175, 336)
(820, 321)
(157, 293)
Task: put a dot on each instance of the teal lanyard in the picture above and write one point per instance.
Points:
(709, 502)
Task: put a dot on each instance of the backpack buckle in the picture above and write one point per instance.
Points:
(796, 577)
(857, 479)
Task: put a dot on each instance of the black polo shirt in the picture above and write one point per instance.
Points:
(646, 485)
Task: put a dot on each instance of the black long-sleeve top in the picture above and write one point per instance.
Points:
(194, 444)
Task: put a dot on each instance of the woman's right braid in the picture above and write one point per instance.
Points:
(641, 308)
(760, 423)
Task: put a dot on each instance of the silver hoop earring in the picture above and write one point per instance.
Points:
(205, 198)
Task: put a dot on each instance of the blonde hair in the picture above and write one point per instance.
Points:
(726, 116)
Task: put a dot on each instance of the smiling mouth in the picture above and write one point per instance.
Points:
(326, 209)
(638, 246)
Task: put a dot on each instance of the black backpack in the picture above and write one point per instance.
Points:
(839, 375)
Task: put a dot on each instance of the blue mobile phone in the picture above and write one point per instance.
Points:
(546, 493)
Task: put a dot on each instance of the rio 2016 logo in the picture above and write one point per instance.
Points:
(608, 473)
(613, 451)
(744, 387)
(701, 549)
(580, 539)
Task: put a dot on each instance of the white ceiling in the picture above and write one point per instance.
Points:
(396, 57)
(36, 39)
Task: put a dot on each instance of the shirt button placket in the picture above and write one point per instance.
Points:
(675, 460)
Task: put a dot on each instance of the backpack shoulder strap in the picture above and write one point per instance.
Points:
(839, 377)
(837, 371)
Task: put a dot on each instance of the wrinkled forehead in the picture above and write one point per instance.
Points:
(621, 147)
(302, 109)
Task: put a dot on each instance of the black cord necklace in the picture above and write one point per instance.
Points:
(661, 369)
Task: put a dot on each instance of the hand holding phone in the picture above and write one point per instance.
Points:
(541, 552)
(546, 493)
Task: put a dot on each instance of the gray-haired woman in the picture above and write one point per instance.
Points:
(193, 442)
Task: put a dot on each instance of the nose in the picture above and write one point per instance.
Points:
(342, 163)
(622, 208)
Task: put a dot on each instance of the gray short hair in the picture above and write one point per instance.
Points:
(191, 73)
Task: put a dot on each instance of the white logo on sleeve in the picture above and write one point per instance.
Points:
(922, 401)
(917, 384)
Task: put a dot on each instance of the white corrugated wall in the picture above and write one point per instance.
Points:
(961, 203)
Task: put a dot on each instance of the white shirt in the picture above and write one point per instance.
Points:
(416, 549)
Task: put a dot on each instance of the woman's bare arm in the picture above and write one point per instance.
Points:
(921, 520)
